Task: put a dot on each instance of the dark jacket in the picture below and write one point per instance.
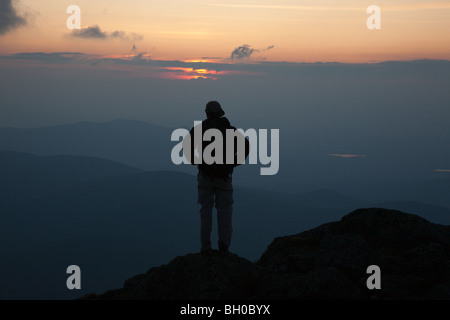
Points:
(223, 170)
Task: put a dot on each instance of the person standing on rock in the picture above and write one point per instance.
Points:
(216, 154)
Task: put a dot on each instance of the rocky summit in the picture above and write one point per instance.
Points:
(327, 262)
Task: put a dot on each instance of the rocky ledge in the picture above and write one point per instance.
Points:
(327, 262)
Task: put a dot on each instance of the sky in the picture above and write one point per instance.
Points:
(282, 30)
(246, 53)
(312, 68)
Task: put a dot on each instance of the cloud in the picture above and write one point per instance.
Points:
(140, 56)
(94, 32)
(52, 57)
(9, 19)
(139, 61)
(245, 51)
(340, 155)
(242, 52)
(124, 36)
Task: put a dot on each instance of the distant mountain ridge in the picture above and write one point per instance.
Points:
(132, 216)
(434, 213)
(130, 142)
(25, 176)
(406, 175)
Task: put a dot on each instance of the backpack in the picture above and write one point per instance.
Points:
(223, 170)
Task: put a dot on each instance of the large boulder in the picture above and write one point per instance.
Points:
(331, 261)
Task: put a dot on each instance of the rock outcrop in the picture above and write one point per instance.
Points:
(192, 277)
(327, 262)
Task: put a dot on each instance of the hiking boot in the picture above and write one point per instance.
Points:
(223, 248)
(206, 251)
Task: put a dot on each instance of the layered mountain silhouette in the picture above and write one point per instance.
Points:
(26, 176)
(113, 226)
(114, 221)
(394, 169)
(134, 143)
(327, 262)
(105, 196)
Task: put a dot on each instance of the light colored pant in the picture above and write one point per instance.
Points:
(218, 191)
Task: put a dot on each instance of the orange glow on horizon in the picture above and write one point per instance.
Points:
(191, 73)
(123, 56)
(200, 60)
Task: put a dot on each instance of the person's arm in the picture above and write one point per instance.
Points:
(240, 136)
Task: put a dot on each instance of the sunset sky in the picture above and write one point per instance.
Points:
(132, 59)
(310, 68)
(282, 30)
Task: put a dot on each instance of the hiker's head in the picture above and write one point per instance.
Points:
(214, 110)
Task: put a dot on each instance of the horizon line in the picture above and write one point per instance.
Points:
(199, 60)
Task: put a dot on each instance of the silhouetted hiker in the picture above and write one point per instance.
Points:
(215, 177)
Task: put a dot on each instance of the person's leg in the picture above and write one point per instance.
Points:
(224, 205)
(206, 200)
